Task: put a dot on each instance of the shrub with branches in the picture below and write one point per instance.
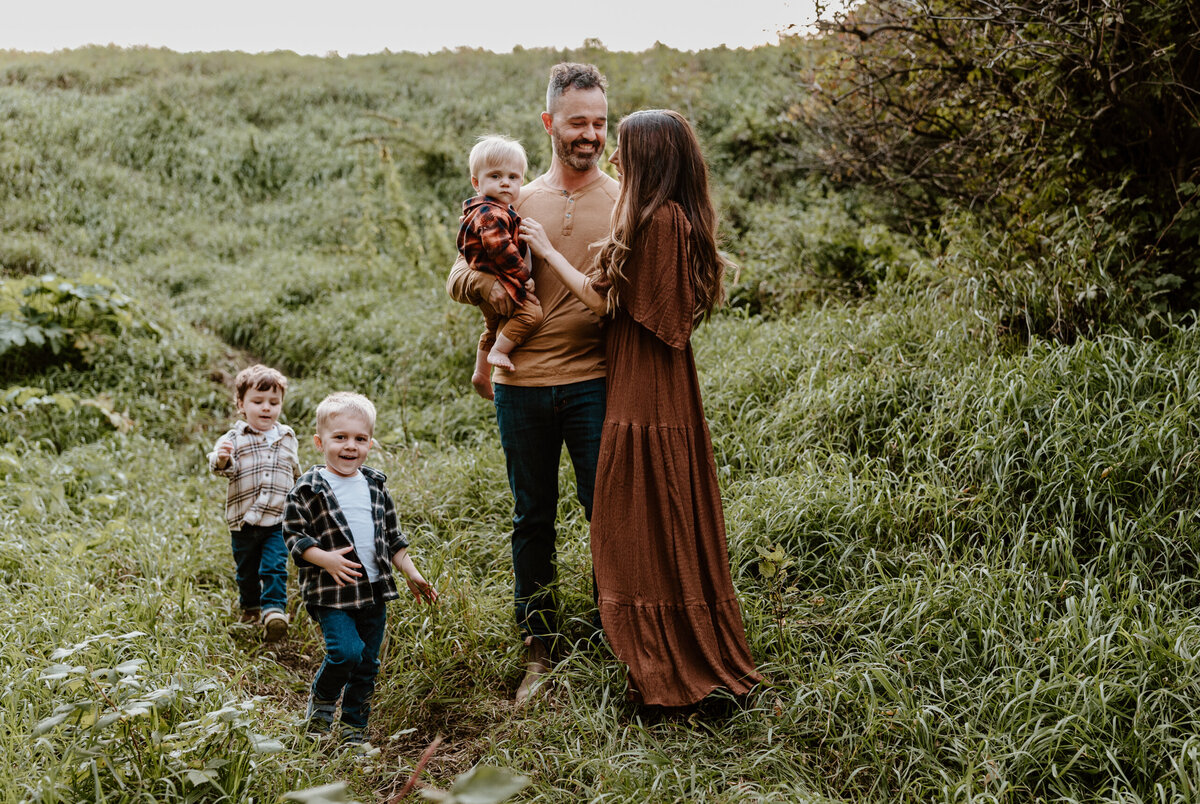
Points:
(1030, 116)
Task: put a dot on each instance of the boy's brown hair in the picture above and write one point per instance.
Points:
(260, 378)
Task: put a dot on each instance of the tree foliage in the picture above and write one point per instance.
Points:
(1029, 115)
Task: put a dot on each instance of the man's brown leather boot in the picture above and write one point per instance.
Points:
(537, 664)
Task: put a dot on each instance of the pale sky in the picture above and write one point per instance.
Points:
(370, 26)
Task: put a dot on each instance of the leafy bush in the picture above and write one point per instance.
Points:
(813, 246)
(1044, 121)
(50, 319)
(23, 256)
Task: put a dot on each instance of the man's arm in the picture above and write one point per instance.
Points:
(475, 287)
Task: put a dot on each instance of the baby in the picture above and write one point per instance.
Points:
(489, 241)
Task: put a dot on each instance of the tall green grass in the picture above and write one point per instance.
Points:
(980, 550)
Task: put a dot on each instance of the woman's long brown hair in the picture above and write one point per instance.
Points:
(661, 161)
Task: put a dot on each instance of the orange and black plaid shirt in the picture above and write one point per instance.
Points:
(490, 241)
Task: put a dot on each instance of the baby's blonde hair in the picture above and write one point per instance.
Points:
(496, 150)
(344, 402)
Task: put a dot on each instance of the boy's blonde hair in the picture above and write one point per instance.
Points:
(259, 378)
(344, 402)
(496, 150)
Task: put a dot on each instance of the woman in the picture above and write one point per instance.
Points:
(658, 532)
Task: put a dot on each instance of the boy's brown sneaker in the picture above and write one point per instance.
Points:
(250, 616)
(275, 623)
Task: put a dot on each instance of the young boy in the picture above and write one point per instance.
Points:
(341, 528)
(259, 457)
(489, 241)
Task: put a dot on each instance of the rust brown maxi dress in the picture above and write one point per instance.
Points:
(667, 603)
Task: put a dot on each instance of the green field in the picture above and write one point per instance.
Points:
(966, 552)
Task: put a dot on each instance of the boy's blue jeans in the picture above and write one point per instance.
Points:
(261, 557)
(534, 424)
(352, 641)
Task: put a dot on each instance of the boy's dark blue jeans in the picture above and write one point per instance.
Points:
(534, 424)
(261, 560)
(352, 641)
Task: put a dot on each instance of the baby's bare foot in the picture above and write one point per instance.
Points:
(500, 359)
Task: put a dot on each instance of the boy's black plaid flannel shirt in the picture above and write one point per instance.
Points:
(313, 518)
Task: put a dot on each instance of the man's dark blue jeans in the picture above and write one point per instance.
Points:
(352, 641)
(534, 425)
(261, 561)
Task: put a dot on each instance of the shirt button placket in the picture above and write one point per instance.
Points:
(568, 215)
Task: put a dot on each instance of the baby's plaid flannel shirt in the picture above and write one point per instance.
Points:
(489, 238)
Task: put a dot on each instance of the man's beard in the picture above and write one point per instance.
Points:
(576, 161)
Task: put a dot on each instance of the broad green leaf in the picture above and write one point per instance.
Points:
(59, 671)
(334, 793)
(200, 777)
(261, 744)
(130, 667)
(483, 784)
(49, 723)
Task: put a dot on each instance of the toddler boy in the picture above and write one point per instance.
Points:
(259, 457)
(341, 528)
(489, 240)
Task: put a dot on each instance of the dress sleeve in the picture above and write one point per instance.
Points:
(657, 291)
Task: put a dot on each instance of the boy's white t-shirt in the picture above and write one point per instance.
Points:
(354, 498)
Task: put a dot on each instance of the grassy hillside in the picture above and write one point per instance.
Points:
(966, 561)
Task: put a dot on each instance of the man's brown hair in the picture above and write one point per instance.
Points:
(571, 75)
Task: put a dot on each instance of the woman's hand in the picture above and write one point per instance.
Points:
(534, 234)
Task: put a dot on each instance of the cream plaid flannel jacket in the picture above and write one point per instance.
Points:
(260, 475)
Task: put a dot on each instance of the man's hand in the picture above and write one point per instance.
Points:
(500, 301)
(529, 297)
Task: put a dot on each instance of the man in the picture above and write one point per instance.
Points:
(555, 393)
